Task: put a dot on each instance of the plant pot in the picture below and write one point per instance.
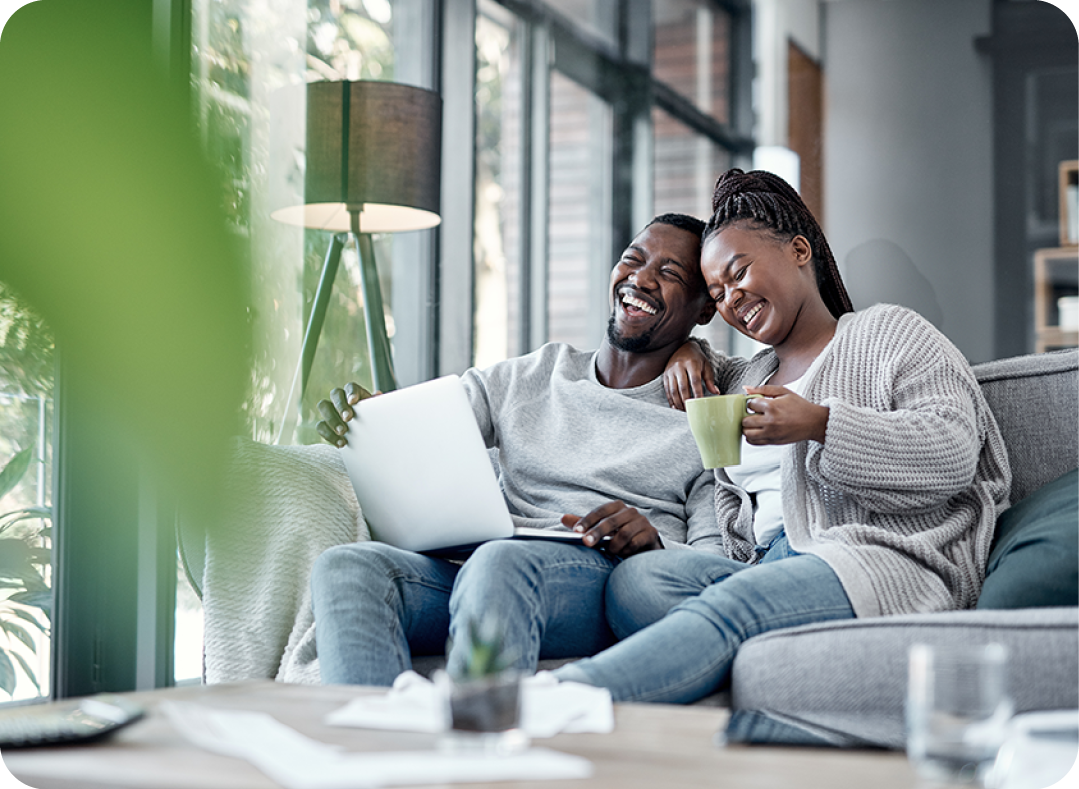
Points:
(491, 704)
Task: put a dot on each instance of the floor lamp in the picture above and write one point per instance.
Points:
(373, 166)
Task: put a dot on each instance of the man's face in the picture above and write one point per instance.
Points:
(657, 291)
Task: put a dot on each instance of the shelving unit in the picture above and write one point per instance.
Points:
(1069, 203)
(1056, 274)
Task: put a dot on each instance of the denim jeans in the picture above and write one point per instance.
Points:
(684, 614)
(376, 605)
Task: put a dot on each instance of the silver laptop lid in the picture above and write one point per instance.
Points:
(420, 470)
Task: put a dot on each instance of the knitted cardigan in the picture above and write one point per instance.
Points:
(901, 500)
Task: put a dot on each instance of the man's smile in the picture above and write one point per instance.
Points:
(635, 304)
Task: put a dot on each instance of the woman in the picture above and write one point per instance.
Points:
(872, 478)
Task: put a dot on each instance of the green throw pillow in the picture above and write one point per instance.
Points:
(1035, 556)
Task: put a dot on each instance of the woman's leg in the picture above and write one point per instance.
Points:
(375, 605)
(687, 654)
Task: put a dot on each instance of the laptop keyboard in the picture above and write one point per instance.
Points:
(79, 720)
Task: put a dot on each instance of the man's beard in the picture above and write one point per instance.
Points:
(629, 344)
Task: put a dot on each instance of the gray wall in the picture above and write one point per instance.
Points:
(908, 160)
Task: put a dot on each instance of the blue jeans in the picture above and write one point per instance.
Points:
(376, 605)
(684, 614)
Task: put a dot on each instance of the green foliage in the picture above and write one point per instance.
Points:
(26, 348)
(23, 560)
(486, 650)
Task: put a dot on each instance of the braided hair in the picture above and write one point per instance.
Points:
(768, 203)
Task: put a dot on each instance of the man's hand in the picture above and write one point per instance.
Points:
(630, 532)
(337, 412)
(783, 417)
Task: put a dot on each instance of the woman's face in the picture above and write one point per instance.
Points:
(758, 284)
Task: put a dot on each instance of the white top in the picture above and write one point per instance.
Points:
(758, 475)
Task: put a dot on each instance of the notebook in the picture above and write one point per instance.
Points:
(422, 474)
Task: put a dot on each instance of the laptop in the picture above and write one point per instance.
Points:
(422, 474)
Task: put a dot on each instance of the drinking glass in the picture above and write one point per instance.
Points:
(957, 710)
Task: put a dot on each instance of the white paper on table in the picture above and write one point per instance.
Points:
(1039, 751)
(298, 762)
(548, 707)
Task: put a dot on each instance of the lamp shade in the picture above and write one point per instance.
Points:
(374, 148)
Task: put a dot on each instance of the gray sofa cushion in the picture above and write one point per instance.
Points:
(844, 683)
(1035, 556)
(1035, 400)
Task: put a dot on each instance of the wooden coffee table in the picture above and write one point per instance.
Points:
(652, 746)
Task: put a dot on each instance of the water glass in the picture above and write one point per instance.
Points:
(957, 710)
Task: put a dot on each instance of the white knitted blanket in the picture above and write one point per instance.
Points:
(287, 505)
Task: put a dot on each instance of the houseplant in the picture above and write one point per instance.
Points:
(25, 596)
(484, 692)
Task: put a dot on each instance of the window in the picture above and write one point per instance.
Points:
(692, 53)
(499, 184)
(249, 63)
(583, 134)
(579, 215)
(26, 441)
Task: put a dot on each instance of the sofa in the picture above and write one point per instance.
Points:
(845, 683)
(839, 684)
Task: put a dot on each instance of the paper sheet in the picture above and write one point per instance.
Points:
(298, 762)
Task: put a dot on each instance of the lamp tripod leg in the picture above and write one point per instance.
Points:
(378, 342)
(311, 336)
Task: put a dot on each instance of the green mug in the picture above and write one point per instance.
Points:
(716, 422)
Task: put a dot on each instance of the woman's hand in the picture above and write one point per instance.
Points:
(629, 531)
(687, 375)
(337, 412)
(783, 417)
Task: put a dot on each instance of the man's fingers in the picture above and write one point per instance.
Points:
(633, 538)
(610, 524)
(598, 515)
(331, 417)
(328, 434)
(355, 393)
(340, 403)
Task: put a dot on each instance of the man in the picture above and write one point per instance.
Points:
(585, 440)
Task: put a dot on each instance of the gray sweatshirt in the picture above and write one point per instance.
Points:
(567, 444)
(902, 498)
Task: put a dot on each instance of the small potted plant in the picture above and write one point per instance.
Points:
(484, 692)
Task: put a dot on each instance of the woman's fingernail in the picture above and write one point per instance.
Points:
(341, 430)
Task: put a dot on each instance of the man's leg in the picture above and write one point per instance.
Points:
(643, 588)
(374, 606)
(687, 654)
(547, 597)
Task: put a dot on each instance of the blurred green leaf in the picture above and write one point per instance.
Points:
(42, 600)
(15, 470)
(28, 617)
(14, 558)
(7, 674)
(9, 519)
(19, 632)
(29, 671)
